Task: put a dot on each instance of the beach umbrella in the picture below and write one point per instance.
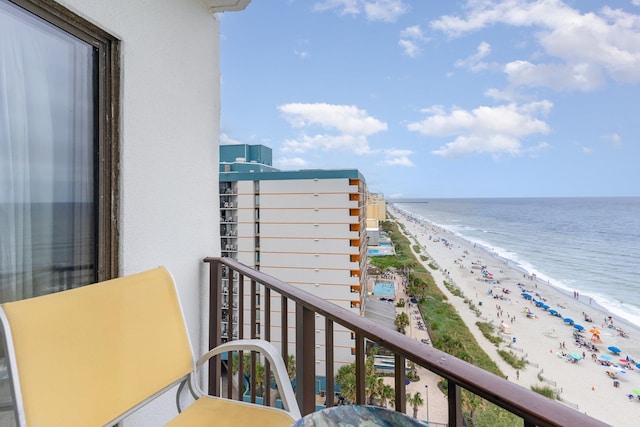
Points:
(539, 303)
(594, 331)
(545, 306)
(613, 349)
(638, 365)
(568, 320)
(578, 327)
(605, 357)
(575, 356)
(553, 311)
(636, 392)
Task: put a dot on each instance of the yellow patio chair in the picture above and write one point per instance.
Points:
(91, 356)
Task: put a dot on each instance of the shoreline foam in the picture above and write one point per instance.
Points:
(629, 319)
(583, 385)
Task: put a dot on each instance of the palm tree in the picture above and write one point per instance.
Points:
(246, 369)
(375, 389)
(415, 400)
(291, 366)
(259, 379)
(401, 322)
(346, 379)
(413, 374)
(386, 395)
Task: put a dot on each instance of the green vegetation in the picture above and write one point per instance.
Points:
(455, 291)
(545, 391)
(448, 331)
(487, 330)
(246, 369)
(512, 359)
(401, 322)
(415, 400)
(377, 392)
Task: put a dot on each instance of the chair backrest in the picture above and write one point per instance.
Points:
(89, 356)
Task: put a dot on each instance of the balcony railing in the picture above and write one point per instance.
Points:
(533, 408)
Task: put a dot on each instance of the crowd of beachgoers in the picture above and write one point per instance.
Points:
(590, 359)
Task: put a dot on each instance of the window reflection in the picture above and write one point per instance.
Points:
(47, 209)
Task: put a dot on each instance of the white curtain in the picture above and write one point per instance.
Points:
(46, 152)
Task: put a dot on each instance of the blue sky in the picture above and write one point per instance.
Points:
(435, 98)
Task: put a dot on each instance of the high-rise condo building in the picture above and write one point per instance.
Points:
(304, 227)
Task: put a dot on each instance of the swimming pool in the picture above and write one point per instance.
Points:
(384, 288)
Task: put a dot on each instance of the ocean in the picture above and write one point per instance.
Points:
(588, 245)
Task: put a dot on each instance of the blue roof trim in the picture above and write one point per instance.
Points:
(289, 175)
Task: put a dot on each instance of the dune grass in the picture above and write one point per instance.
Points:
(448, 331)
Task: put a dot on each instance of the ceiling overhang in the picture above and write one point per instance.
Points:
(218, 6)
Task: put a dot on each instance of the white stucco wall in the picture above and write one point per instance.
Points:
(170, 109)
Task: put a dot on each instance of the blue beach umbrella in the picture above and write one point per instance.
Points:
(568, 320)
(578, 327)
(553, 312)
(613, 349)
(539, 303)
(545, 306)
(526, 296)
(575, 356)
(605, 357)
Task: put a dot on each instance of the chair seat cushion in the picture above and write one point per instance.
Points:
(213, 411)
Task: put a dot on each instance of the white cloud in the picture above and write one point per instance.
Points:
(384, 10)
(339, 127)
(614, 139)
(301, 50)
(536, 149)
(499, 95)
(345, 7)
(410, 39)
(374, 10)
(474, 62)
(560, 77)
(396, 195)
(493, 130)
(587, 150)
(344, 118)
(409, 48)
(227, 140)
(395, 157)
(291, 162)
(325, 142)
(580, 49)
(414, 32)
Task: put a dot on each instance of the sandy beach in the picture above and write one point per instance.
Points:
(544, 340)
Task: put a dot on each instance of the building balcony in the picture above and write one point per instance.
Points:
(309, 311)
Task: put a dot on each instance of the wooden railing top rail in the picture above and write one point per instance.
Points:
(534, 408)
